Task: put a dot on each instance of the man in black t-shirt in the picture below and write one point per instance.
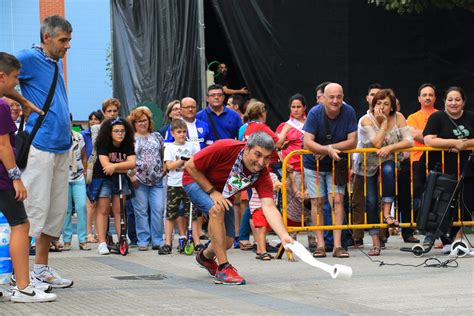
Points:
(222, 79)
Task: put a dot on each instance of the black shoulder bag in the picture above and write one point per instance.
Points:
(213, 127)
(23, 139)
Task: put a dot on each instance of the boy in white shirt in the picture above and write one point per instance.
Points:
(175, 156)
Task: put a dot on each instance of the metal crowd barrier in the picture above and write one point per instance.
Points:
(365, 225)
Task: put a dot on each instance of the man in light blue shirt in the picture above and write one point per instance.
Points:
(47, 171)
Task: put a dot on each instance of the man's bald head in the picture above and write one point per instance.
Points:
(333, 98)
(188, 109)
(333, 88)
(188, 100)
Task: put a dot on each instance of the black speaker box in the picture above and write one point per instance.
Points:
(437, 204)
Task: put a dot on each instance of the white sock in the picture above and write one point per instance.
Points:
(38, 268)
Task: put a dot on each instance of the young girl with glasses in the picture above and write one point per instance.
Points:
(115, 150)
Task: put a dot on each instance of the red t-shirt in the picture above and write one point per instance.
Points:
(216, 162)
(295, 142)
(261, 127)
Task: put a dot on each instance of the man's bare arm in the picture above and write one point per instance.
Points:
(28, 106)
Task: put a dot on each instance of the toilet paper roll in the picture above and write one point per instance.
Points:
(336, 271)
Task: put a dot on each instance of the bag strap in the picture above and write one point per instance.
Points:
(213, 127)
(454, 123)
(47, 104)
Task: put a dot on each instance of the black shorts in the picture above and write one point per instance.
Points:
(13, 210)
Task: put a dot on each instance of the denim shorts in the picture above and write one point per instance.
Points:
(110, 186)
(323, 187)
(203, 201)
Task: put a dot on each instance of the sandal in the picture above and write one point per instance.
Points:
(264, 256)
(374, 251)
(245, 245)
(84, 246)
(142, 248)
(67, 246)
(391, 221)
(340, 252)
(320, 252)
(91, 239)
(165, 250)
(56, 246)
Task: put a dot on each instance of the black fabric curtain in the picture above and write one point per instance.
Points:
(287, 46)
(155, 52)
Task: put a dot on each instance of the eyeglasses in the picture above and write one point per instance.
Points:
(175, 109)
(188, 107)
(119, 131)
(141, 121)
(216, 95)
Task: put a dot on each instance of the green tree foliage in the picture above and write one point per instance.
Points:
(418, 6)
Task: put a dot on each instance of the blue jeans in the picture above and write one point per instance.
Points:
(245, 224)
(131, 230)
(203, 201)
(388, 193)
(328, 234)
(76, 192)
(149, 227)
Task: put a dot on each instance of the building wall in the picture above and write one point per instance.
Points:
(15, 36)
(88, 84)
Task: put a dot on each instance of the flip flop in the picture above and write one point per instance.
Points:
(245, 245)
(374, 251)
(319, 253)
(264, 256)
(393, 221)
(340, 252)
(56, 246)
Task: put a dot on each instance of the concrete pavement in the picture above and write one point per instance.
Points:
(144, 283)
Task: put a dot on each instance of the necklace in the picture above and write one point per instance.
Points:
(454, 117)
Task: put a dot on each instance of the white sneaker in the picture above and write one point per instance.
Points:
(446, 249)
(51, 277)
(33, 281)
(103, 249)
(30, 294)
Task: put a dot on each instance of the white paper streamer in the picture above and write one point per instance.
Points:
(336, 271)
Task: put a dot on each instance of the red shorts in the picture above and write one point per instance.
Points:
(259, 219)
(244, 195)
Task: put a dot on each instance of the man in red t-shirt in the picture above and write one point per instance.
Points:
(212, 177)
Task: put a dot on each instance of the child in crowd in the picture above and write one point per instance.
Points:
(175, 156)
(76, 193)
(13, 193)
(259, 221)
(116, 155)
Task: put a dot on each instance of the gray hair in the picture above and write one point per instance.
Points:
(261, 139)
(54, 24)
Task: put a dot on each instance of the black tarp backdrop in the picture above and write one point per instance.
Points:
(155, 52)
(288, 46)
(281, 47)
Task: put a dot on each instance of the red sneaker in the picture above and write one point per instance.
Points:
(229, 275)
(210, 266)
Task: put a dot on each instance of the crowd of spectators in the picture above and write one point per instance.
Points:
(164, 169)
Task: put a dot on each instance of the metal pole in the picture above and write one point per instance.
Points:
(202, 53)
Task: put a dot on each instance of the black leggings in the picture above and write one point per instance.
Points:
(13, 210)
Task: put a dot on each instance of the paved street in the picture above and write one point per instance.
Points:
(144, 283)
